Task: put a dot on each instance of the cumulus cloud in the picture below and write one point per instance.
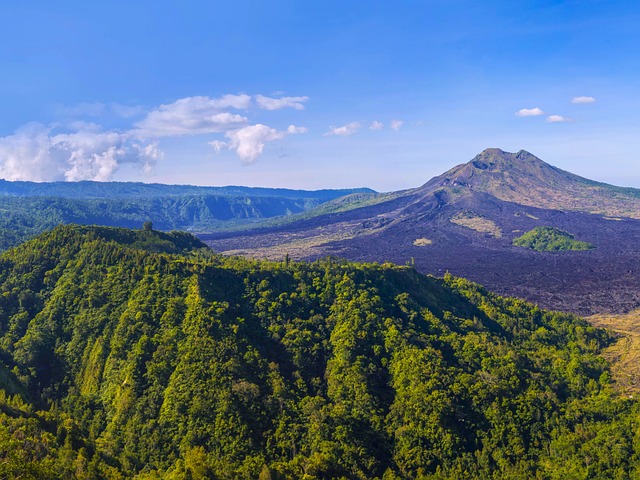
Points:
(268, 103)
(529, 112)
(84, 150)
(25, 155)
(345, 130)
(194, 116)
(249, 141)
(376, 125)
(34, 152)
(396, 124)
(558, 119)
(583, 100)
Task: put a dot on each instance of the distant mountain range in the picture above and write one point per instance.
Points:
(91, 189)
(28, 208)
(465, 221)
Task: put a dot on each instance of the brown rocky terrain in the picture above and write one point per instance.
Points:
(464, 222)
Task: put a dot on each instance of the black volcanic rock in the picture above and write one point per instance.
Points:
(464, 221)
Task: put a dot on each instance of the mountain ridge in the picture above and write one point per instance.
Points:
(525, 179)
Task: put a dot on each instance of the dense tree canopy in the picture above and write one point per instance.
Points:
(141, 354)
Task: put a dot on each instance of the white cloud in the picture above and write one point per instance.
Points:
(249, 141)
(376, 125)
(583, 100)
(268, 103)
(239, 102)
(345, 130)
(558, 119)
(83, 150)
(218, 145)
(35, 153)
(396, 124)
(194, 116)
(529, 112)
(293, 129)
(25, 155)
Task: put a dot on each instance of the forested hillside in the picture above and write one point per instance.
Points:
(139, 354)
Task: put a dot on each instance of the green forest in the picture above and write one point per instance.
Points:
(141, 354)
(550, 239)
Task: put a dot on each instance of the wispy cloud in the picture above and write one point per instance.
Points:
(559, 119)
(583, 100)
(376, 125)
(529, 112)
(396, 124)
(126, 111)
(98, 109)
(269, 103)
(345, 130)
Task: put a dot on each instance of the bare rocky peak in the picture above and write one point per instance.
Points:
(523, 178)
(496, 159)
(493, 166)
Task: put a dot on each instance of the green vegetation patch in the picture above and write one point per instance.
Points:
(550, 239)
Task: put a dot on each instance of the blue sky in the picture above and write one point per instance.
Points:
(315, 94)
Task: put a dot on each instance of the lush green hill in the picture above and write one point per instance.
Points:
(121, 361)
(550, 239)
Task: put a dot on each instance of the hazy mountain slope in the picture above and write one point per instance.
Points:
(89, 189)
(28, 208)
(198, 366)
(458, 222)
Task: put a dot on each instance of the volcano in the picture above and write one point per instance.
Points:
(464, 222)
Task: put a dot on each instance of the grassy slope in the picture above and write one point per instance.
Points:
(625, 352)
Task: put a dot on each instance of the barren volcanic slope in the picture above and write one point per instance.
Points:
(464, 222)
